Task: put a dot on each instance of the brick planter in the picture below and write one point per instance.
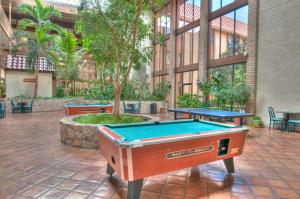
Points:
(82, 135)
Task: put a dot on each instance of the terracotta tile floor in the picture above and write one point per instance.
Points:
(34, 164)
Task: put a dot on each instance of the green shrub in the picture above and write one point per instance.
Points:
(161, 91)
(108, 119)
(189, 101)
(60, 92)
(98, 92)
(256, 121)
(129, 92)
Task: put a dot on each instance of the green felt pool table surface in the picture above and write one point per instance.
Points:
(141, 131)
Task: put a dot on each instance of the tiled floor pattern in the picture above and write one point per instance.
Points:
(34, 164)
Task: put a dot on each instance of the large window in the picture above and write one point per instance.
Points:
(228, 34)
(188, 11)
(158, 79)
(187, 47)
(163, 25)
(186, 83)
(217, 4)
(163, 20)
(223, 77)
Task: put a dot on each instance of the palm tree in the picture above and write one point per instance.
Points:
(40, 41)
(68, 58)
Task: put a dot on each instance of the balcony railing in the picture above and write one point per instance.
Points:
(4, 22)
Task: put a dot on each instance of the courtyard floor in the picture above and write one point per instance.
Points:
(34, 164)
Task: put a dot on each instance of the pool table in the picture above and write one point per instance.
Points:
(137, 151)
(78, 109)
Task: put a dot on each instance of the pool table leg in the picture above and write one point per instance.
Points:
(229, 165)
(134, 189)
(109, 170)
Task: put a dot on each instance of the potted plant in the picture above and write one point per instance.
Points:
(256, 122)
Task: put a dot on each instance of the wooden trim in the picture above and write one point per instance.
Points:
(222, 11)
(187, 27)
(228, 60)
(29, 80)
(160, 73)
(187, 68)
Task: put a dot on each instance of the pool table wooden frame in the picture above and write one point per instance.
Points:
(136, 160)
(79, 109)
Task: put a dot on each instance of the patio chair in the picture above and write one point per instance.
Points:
(273, 119)
(14, 106)
(29, 107)
(136, 109)
(2, 110)
(293, 123)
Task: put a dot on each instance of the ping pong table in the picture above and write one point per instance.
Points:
(219, 114)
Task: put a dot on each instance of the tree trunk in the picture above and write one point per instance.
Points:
(36, 84)
(66, 88)
(117, 103)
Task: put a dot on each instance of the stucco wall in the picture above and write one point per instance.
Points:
(15, 85)
(278, 75)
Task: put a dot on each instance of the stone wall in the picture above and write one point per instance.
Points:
(48, 105)
(82, 135)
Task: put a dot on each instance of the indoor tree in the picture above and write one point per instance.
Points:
(68, 58)
(35, 35)
(114, 32)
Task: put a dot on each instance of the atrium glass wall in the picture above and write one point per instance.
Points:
(187, 46)
(228, 34)
(162, 51)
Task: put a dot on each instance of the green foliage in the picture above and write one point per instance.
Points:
(67, 58)
(205, 87)
(60, 92)
(99, 92)
(129, 92)
(256, 122)
(189, 101)
(41, 40)
(2, 89)
(113, 32)
(109, 119)
(226, 92)
(219, 83)
(22, 96)
(161, 91)
(235, 45)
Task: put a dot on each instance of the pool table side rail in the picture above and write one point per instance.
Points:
(87, 105)
(122, 142)
(168, 122)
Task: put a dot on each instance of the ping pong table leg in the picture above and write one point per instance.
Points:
(175, 116)
(241, 121)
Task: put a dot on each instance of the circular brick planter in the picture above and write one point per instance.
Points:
(82, 135)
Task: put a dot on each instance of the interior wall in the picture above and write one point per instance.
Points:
(278, 75)
(15, 85)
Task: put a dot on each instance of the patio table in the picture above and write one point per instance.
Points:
(286, 115)
(22, 106)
